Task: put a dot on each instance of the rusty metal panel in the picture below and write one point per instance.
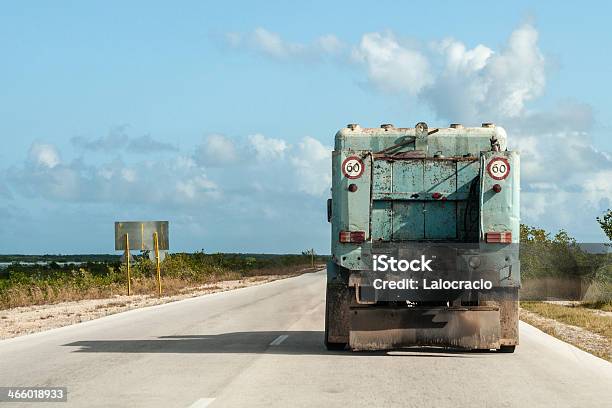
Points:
(440, 219)
(381, 220)
(440, 177)
(408, 176)
(382, 328)
(381, 177)
(140, 234)
(408, 220)
(467, 172)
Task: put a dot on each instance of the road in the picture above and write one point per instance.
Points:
(263, 346)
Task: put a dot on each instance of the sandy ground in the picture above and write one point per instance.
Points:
(579, 337)
(31, 319)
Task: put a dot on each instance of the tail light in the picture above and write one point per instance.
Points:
(499, 237)
(352, 237)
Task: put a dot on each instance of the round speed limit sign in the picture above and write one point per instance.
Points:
(352, 167)
(498, 168)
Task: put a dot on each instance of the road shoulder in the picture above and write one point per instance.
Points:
(580, 337)
(21, 321)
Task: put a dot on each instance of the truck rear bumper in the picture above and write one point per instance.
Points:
(383, 328)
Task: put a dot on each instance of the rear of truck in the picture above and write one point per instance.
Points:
(450, 194)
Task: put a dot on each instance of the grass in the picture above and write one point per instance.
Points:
(578, 316)
(605, 305)
(25, 285)
(575, 316)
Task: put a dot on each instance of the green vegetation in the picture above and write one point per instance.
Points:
(560, 255)
(558, 266)
(22, 285)
(605, 222)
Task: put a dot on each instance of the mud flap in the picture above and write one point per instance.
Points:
(509, 313)
(374, 328)
(337, 301)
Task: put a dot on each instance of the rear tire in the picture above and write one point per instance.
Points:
(507, 349)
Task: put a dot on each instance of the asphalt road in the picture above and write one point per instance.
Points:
(263, 346)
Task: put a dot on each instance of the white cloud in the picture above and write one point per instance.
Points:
(146, 144)
(196, 187)
(128, 175)
(517, 75)
(267, 148)
(566, 182)
(183, 163)
(312, 163)
(181, 181)
(118, 139)
(392, 66)
(598, 188)
(558, 157)
(175, 182)
(477, 85)
(329, 44)
(45, 155)
(217, 150)
(272, 45)
(460, 84)
(460, 60)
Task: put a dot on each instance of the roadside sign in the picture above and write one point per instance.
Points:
(141, 234)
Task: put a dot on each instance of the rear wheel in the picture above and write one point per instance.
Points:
(507, 349)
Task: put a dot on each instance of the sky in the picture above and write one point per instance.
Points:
(220, 116)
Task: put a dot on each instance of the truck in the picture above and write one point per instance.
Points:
(424, 239)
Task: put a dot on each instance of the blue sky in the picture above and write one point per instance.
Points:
(219, 116)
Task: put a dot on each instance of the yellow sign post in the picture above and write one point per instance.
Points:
(127, 261)
(146, 236)
(156, 244)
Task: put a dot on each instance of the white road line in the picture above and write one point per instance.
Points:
(277, 341)
(202, 403)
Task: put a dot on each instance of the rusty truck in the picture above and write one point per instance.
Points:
(442, 206)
